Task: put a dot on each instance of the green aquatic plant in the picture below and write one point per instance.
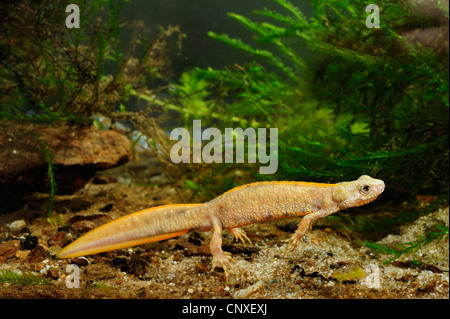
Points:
(347, 100)
(194, 92)
(53, 74)
(410, 248)
(50, 175)
(356, 101)
(24, 278)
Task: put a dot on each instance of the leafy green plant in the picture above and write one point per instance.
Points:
(356, 101)
(359, 101)
(52, 74)
(408, 249)
(50, 175)
(25, 278)
(194, 92)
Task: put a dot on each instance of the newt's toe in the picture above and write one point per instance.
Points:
(293, 242)
(240, 235)
(227, 263)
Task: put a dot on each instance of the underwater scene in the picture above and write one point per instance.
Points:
(222, 149)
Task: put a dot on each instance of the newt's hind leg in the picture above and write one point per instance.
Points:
(220, 258)
(240, 234)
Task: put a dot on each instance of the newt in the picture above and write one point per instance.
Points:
(243, 205)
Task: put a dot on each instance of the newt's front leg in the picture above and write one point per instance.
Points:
(220, 258)
(304, 226)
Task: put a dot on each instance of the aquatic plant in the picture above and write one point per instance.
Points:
(24, 278)
(50, 73)
(409, 248)
(358, 101)
(50, 175)
(366, 101)
(380, 103)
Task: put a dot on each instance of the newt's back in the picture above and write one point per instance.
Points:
(262, 201)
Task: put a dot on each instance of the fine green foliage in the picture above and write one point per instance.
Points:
(52, 74)
(358, 101)
(25, 278)
(50, 175)
(408, 249)
(381, 225)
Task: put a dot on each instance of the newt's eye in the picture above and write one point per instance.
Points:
(365, 189)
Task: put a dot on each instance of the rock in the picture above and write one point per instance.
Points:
(17, 226)
(247, 292)
(59, 239)
(122, 262)
(54, 250)
(52, 273)
(137, 265)
(432, 31)
(22, 254)
(76, 154)
(435, 38)
(85, 223)
(89, 217)
(8, 249)
(37, 255)
(80, 261)
(29, 242)
(83, 226)
(99, 271)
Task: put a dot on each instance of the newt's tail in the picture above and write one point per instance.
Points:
(149, 225)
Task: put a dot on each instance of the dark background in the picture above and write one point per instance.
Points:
(196, 18)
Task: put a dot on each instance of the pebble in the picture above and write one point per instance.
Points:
(17, 226)
(29, 242)
(22, 254)
(38, 254)
(53, 250)
(245, 293)
(52, 273)
(8, 249)
(99, 271)
(58, 239)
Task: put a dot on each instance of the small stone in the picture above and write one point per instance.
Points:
(99, 271)
(52, 273)
(80, 261)
(17, 226)
(83, 226)
(106, 208)
(122, 262)
(28, 243)
(182, 244)
(201, 268)
(54, 250)
(57, 239)
(22, 254)
(38, 254)
(137, 265)
(244, 293)
(9, 249)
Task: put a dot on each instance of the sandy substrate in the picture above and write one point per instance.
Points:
(326, 265)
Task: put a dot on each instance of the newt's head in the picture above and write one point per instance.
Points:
(360, 192)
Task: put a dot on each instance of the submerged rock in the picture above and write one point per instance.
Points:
(76, 154)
